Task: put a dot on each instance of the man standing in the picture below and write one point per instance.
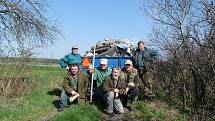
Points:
(71, 58)
(143, 62)
(114, 88)
(131, 77)
(99, 76)
(75, 87)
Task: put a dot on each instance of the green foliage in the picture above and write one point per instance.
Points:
(79, 113)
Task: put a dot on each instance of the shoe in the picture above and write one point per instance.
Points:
(111, 114)
(132, 107)
(60, 109)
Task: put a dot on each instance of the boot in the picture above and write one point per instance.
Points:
(133, 106)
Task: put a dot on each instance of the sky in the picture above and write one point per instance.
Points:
(84, 22)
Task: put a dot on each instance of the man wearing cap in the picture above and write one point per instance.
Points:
(99, 75)
(131, 77)
(71, 58)
(144, 59)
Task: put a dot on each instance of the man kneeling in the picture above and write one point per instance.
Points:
(114, 88)
(74, 87)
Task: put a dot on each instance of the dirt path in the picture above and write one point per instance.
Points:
(169, 114)
(50, 115)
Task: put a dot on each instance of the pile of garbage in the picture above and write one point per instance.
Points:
(113, 47)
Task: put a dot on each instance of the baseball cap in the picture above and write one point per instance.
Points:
(103, 61)
(75, 47)
(128, 62)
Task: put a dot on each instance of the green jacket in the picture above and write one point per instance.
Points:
(133, 76)
(82, 85)
(69, 59)
(109, 85)
(99, 76)
(144, 59)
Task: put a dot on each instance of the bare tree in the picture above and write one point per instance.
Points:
(185, 29)
(25, 25)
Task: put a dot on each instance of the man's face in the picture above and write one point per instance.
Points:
(74, 70)
(141, 46)
(75, 50)
(103, 66)
(128, 67)
(115, 74)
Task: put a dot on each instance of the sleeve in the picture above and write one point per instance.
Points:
(63, 61)
(66, 85)
(123, 86)
(86, 83)
(135, 59)
(80, 58)
(106, 87)
(95, 74)
(136, 80)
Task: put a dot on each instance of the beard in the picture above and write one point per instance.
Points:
(116, 77)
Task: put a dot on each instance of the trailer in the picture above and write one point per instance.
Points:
(113, 61)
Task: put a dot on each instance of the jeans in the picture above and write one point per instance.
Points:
(113, 104)
(63, 99)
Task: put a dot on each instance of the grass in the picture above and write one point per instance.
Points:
(40, 101)
(79, 113)
(36, 103)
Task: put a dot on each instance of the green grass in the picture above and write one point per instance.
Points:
(36, 103)
(150, 113)
(39, 102)
(79, 113)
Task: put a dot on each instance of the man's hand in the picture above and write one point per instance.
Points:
(67, 67)
(131, 84)
(74, 93)
(126, 90)
(90, 69)
(116, 90)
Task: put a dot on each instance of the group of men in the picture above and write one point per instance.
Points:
(118, 87)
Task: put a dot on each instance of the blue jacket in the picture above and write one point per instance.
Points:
(144, 59)
(69, 59)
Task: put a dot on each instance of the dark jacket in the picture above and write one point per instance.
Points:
(109, 85)
(82, 85)
(144, 59)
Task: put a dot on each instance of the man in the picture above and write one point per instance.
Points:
(131, 77)
(114, 88)
(143, 62)
(71, 58)
(75, 86)
(99, 75)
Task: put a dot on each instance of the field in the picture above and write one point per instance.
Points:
(42, 102)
